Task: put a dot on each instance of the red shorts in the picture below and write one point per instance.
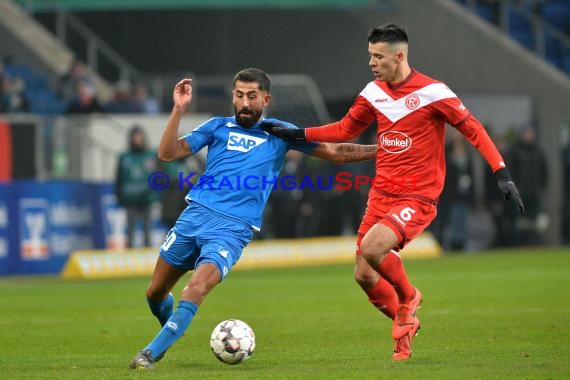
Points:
(407, 217)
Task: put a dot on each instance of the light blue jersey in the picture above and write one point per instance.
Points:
(241, 167)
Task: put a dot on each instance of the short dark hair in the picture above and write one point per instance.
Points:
(253, 74)
(390, 33)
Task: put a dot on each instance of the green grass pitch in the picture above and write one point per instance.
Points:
(499, 315)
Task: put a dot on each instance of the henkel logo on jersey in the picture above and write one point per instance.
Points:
(243, 143)
(395, 142)
(33, 230)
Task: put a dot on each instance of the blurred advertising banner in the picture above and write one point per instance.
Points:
(41, 223)
(6, 228)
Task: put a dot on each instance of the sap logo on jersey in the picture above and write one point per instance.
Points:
(243, 143)
(395, 142)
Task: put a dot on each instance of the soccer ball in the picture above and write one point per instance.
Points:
(232, 341)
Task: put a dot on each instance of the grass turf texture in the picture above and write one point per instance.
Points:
(500, 315)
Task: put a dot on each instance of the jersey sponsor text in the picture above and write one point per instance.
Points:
(243, 143)
(395, 142)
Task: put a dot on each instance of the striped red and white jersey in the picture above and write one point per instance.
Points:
(411, 119)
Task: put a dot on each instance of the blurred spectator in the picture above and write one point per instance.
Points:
(457, 197)
(481, 229)
(84, 100)
(13, 98)
(283, 209)
(502, 213)
(132, 188)
(310, 202)
(142, 101)
(2, 74)
(340, 211)
(353, 201)
(67, 83)
(566, 190)
(530, 172)
(122, 101)
(328, 202)
(172, 198)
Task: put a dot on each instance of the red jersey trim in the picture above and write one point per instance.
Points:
(396, 86)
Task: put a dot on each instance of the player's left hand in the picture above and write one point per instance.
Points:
(509, 189)
(283, 132)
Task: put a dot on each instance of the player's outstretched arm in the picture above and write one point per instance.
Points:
(283, 132)
(345, 152)
(171, 148)
(475, 133)
(344, 130)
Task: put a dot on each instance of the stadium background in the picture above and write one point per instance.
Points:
(502, 313)
(508, 60)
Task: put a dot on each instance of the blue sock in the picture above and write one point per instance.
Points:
(162, 309)
(173, 329)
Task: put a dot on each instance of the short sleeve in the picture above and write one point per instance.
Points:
(452, 110)
(201, 136)
(361, 111)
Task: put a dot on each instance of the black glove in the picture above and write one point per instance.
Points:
(509, 189)
(283, 132)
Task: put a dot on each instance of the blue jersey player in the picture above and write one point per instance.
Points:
(225, 205)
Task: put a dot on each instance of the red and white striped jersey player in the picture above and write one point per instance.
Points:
(411, 110)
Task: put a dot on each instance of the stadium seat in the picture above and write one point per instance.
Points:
(486, 12)
(42, 99)
(566, 63)
(520, 29)
(557, 14)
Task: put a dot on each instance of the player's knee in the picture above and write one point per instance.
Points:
(365, 279)
(155, 293)
(371, 255)
(373, 252)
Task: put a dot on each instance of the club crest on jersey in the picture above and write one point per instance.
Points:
(243, 143)
(395, 142)
(412, 101)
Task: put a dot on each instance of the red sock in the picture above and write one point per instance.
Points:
(392, 269)
(384, 298)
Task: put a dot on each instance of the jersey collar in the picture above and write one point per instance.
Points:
(398, 85)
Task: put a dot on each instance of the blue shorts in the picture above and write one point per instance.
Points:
(202, 235)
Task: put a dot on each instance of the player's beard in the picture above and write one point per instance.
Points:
(247, 117)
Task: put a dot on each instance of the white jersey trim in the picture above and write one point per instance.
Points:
(395, 110)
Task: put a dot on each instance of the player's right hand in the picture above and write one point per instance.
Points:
(182, 95)
(283, 132)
